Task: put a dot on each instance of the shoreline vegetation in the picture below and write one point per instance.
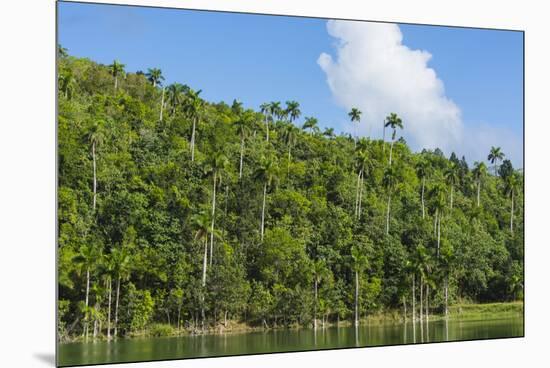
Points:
(461, 312)
(177, 214)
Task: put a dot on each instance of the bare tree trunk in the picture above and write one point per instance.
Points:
(391, 149)
(423, 207)
(193, 140)
(512, 216)
(478, 190)
(109, 310)
(315, 305)
(95, 176)
(263, 213)
(87, 300)
(116, 306)
(356, 298)
(204, 261)
(162, 104)
(388, 216)
(213, 219)
(241, 160)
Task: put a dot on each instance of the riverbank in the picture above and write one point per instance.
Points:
(456, 312)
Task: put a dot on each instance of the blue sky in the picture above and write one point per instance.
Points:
(257, 58)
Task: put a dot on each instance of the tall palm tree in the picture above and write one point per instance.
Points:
(359, 263)
(176, 95)
(237, 107)
(389, 181)
(107, 268)
(355, 116)
(87, 259)
(394, 122)
(267, 173)
(293, 111)
(121, 271)
(193, 107)
(320, 271)
(495, 155)
(437, 195)
(243, 125)
(329, 133)
(216, 166)
(511, 186)
(422, 172)
(67, 83)
(202, 224)
(265, 109)
(289, 135)
(480, 172)
(310, 123)
(452, 178)
(275, 112)
(363, 166)
(95, 136)
(62, 51)
(154, 75)
(116, 69)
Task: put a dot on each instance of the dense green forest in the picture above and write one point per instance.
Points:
(183, 213)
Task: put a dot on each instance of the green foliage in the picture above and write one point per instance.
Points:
(303, 210)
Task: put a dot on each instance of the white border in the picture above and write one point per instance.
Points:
(27, 181)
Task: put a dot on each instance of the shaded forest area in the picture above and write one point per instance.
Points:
(180, 213)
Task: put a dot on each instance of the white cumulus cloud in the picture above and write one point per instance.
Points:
(374, 71)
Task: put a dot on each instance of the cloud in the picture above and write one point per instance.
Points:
(375, 72)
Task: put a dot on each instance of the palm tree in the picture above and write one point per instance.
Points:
(359, 263)
(320, 271)
(154, 76)
(511, 187)
(176, 94)
(289, 136)
(389, 181)
(452, 178)
(275, 111)
(121, 271)
(495, 155)
(67, 83)
(107, 266)
(95, 137)
(237, 107)
(243, 124)
(310, 123)
(202, 223)
(422, 171)
(293, 110)
(363, 165)
(116, 69)
(217, 164)
(267, 173)
(355, 116)
(265, 108)
(193, 107)
(62, 51)
(87, 259)
(394, 122)
(437, 194)
(329, 132)
(479, 171)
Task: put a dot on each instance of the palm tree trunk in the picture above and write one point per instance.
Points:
(435, 222)
(360, 195)
(388, 215)
(446, 296)
(478, 190)
(213, 218)
(413, 300)
(421, 297)
(391, 150)
(116, 82)
(288, 164)
(263, 213)
(116, 305)
(356, 298)
(204, 261)
(438, 234)
(315, 305)
(193, 140)
(95, 175)
(87, 300)
(423, 207)
(427, 302)
(357, 194)
(162, 104)
(512, 216)
(452, 190)
(404, 309)
(109, 311)
(266, 129)
(241, 160)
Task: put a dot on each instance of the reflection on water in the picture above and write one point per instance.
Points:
(125, 350)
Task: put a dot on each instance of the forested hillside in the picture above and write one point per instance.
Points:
(178, 211)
